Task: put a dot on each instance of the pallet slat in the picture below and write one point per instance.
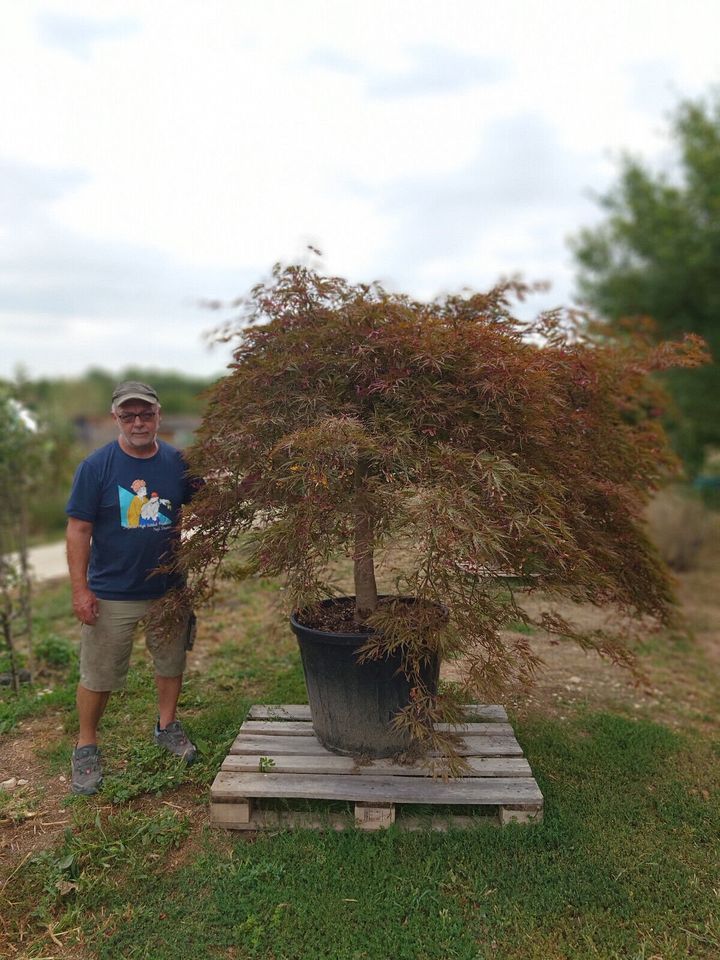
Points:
(380, 789)
(303, 728)
(274, 746)
(331, 763)
(486, 711)
(277, 746)
(287, 711)
(301, 711)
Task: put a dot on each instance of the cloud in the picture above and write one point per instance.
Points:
(70, 301)
(325, 58)
(430, 70)
(78, 35)
(519, 166)
(26, 189)
(509, 209)
(651, 88)
(437, 70)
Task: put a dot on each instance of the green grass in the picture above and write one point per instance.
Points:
(518, 626)
(623, 867)
(577, 882)
(54, 643)
(32, 701)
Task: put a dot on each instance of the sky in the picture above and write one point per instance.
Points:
(158, 154)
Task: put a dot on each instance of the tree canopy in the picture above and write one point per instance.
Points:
(355, 421)
(657, 255)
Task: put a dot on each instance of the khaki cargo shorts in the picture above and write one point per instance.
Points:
(105, 647)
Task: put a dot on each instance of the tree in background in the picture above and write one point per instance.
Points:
(89, 394)
(657, 255)
(23, 454)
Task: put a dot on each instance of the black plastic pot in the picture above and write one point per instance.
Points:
(353, 704)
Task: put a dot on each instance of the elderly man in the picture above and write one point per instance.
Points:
(112, 557)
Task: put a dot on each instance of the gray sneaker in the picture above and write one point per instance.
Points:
(87, 771)
(174, 739)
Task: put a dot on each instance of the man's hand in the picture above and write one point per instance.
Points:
(85, 605)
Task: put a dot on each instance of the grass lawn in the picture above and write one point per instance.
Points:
(626, 863)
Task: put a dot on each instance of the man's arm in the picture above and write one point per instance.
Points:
(79, 535)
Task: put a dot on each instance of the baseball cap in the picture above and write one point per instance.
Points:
(133, 390)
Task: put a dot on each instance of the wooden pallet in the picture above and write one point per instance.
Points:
(277, 756)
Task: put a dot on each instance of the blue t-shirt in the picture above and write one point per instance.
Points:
(133, 504)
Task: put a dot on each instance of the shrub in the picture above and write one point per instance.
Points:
(678, 524)
(56, 651)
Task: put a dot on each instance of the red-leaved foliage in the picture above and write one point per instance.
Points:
(354, 420)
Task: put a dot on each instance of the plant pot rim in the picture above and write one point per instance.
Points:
(345, 639)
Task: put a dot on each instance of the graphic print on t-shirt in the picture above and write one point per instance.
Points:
(138, 510)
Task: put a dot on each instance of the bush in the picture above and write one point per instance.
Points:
(56, 651)
(678, 526)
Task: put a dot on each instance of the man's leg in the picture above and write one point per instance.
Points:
(86, 766)
(90, 707)
(168, 693)
(168, 653)
(105, 650)
(169, 732)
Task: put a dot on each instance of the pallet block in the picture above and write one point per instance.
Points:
(277, 757)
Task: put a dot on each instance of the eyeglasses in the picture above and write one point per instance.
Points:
(146, 416)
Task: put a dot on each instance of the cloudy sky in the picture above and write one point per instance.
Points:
(154, 154)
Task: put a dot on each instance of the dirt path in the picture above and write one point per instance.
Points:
(48, 562)
(36, 816)
(682, 665)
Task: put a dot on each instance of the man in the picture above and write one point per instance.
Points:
(112, 557)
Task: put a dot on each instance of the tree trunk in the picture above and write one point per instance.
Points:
(25, 594)
(10, 646)
(363, 566)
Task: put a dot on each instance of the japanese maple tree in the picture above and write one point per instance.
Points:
(493, 453)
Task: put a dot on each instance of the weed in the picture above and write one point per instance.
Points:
(145, 768)
(97, 858)
(55, 650)
(52, 620)
(518, 626)
(32, 701)
(56, 755)
(17, 805)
